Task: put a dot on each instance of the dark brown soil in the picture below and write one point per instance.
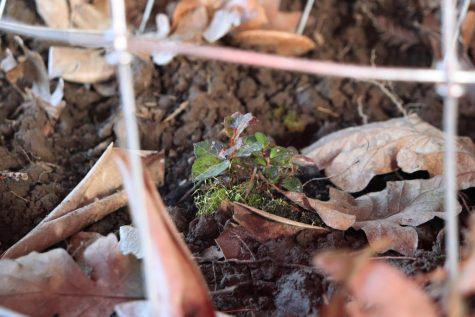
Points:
(295, 109)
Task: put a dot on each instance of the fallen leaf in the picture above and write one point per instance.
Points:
(329, 211)
(79, 65)
(51, 283)
(282, 43)
(390, 214)
(279, 220)
(376, 288)
(181, 288)
(264, 226)
(352, 157)
(280, 20)
(55, 13)
(233, 242)
(97, 195)
(87, 16)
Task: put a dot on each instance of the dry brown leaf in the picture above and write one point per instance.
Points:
(377, 289)
(191, 27)
(274, 218)
(233, 242)
(390, 214)
(282, 43)
(79, 65)
(177, 274)
(264, 226)
(51, 283)
(96, 196)
(184, 7)
(87, 16)
(279, 20)
(55, 13)
(352, 157)
(258, 225)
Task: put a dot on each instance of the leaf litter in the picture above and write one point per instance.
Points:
(353, 156)
(96, 196)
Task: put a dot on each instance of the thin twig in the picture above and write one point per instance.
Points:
(395, 99)
(364, 116)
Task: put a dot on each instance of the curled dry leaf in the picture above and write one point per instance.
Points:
(368, 285)
(51, 283)
(352, 157)
(257, 225)
(79, 65)
(390, 214)
(97, 195)
(182, 289)
(282, 43)
(264, 226)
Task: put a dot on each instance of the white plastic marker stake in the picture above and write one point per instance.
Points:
(450, 91)
(136, 190)
(3, 3)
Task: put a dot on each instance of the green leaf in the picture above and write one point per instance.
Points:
(208, 166)
(272, 173)
(235, 124)
(262, 139)
(292, 184)
(259, 159)
(249, 147)
(204, 148)
(280, 156)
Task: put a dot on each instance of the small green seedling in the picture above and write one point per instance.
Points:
(252, 160)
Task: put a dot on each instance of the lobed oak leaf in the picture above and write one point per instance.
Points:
(51, 283)
(390, 214)
(352, 157)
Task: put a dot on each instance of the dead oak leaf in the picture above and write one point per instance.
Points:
(280, 20)
(390, 214)
(352, 157)
(51, 283)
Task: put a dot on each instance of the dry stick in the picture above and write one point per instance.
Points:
(395, 100)
(51, 232)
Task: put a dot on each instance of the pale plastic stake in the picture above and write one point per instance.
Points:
(136, 188)
(451, 91)
(3, 3)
